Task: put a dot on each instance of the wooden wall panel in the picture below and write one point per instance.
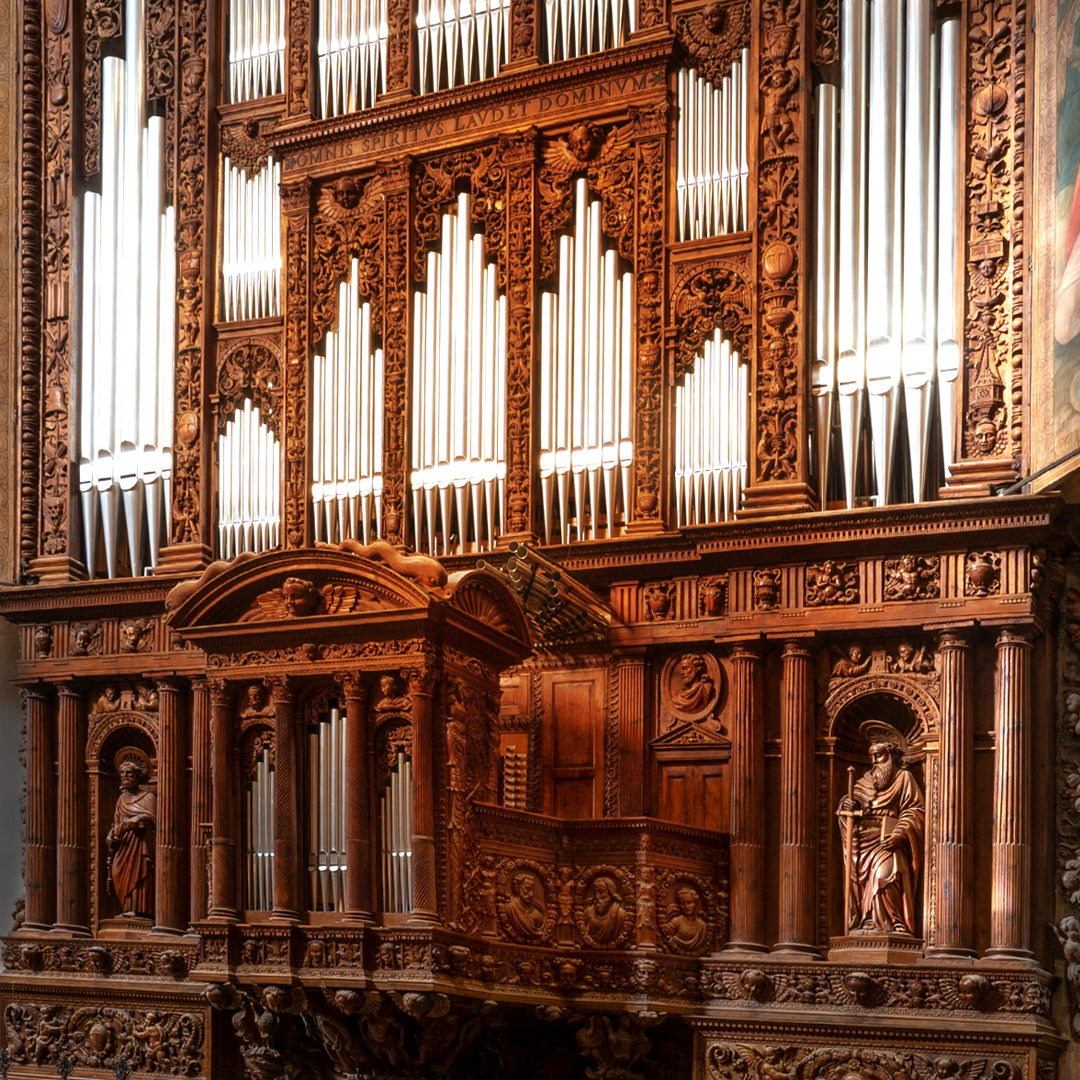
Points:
(572, 719)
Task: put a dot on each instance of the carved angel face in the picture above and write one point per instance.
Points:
(584, 141)
(712, 15)
(300, 597)
(346, 193)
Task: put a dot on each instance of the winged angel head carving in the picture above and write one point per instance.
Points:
(298, 598)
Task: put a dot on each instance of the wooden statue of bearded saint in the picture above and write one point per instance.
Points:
(882, 824)
(131, 842)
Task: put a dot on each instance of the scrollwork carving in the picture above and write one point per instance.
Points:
(250, 369)
(714, 36)
(704, 298)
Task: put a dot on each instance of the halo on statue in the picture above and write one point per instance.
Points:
(877, 731)
(135, 756)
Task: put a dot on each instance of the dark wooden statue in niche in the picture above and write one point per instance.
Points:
(131, 839)
(882, 821)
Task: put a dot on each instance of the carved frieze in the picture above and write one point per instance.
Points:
(714, 36)
(913, 577)
(832, 582)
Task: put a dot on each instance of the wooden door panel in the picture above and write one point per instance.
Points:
(573, 704)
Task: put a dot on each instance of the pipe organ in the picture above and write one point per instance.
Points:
(249, 484)
(259, 834)
(887, 330)
(127, 336)
(586, 377)
(395, 837)
(326, 794)
(347, 423)
(712, 167)
(461, 41)
(712, 436)
(256, 49)
(352, 54)
(578, 27)
(459, 394)
(251, 242)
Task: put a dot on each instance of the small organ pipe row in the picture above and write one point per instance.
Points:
(711, 435)
(127, 336)
(249, 485)
(586, 383)
(459, 394)
(395, 839)
(352, 43)
(347, 424)
(326, 854)
(885, 304)
(712, 168)
(461, 41)
(251, 242)
(256, 48)
(578, 27)
(259, 827)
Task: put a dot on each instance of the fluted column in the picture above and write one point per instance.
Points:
(201, 797)
(358, 853)
(1010, 885)
(286, 803)
(171, 915)
(747, 803)
(223, 898)
(952, 929)
(71, 807)
(425, 902)
(630, 676)
(40, 810)
(798, 816)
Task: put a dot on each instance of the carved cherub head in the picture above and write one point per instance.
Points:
(585, 140)
(714, 18)
(347, 193)
(300, 597)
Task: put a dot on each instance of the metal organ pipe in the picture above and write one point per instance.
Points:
(578, 27)
(395, 817)
(347, 423)
(710, 152)
(249, 484)
(461, 41)
(256, 48)
(885, 304)
(259, 836)
(126, 358)
(326, 852)
(586, 381)
(459, 394)
(352, 43)
(711, 435)
(251, 242)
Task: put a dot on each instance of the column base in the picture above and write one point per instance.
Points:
(950, 954)
(71, 929)
(795, 951)
(167, 931)
(1019, 958)
(223, 915)
(734, 949)
(422, 918)
(34, 928)
(182, 559)
(360, 918)
(285, 915)
(56, 569)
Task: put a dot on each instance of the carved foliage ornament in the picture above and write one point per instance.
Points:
(103, 22)
(714, 36)
(251, 370)
(247, 145)
(705, 298)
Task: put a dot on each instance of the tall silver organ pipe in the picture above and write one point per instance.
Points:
(459, 394)
(256, 48)
(127, 336)
(259, 836)
(347, 423)
(352, 54)
(251, 242)
(586, 382)
(710, 153)
(395, 838)
(885, 303)
(461, 41)
(326, 804)
(711, 435)
(578, 27)
(249, 484)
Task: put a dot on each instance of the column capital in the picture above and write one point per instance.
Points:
(35, 692)
(70, 690)
(751, 649)
(282, 689)
(1020, 636)
(171, 684)
(352, 683)
(420, 680)
(798, 647)
(956, 637)
(221, 692)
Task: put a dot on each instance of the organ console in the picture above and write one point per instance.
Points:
(502, 471)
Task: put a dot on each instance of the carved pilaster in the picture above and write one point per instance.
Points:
(421, 685)
(40, 810)
(798, 819)
(172, 891)
(296, 224)
(630, 686)
(523, 37)
(780, 69)
(190, 541)
(399, 62)
(358, 838)
(991, 406)
(223, 891)
(71, 817)
(953, 912)
(299, 37)
(201, 797)
(646, 505)
(286, 802)
(1010, 883)
(397, 348)
(747, 802)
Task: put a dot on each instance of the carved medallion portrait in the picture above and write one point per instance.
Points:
(524, 913)
(691, 687)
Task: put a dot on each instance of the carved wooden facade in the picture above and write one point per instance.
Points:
(625, 850)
